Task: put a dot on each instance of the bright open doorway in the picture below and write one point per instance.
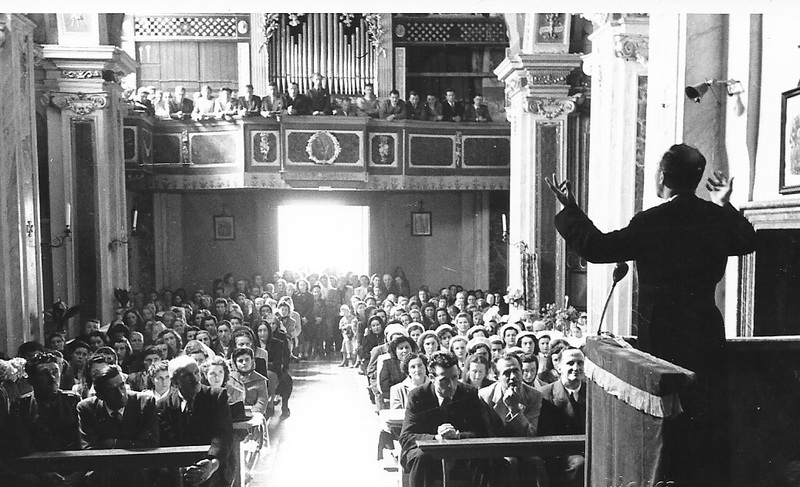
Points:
(323, 238)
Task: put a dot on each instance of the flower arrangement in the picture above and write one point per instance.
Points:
(269, 27)
(515, 297)
(12, 370)
(559, 318)
(375, 33)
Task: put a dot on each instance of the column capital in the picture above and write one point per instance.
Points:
(537, 73)
(67, 67)
(550, 107)
(632, 47)
(81, 104)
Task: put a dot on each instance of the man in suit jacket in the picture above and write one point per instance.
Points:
(564, 413)
(394, 108)
(195, 414)
(515, 408)
(116, 418)
(180, 107)
(452, 110)
(442, 409)
(249, 104)
(296, 103)
(271, 103)
(415, 109)
(477, 112)
(681, 249)
(320, 96)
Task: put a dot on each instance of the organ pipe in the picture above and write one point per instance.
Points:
(322, 47)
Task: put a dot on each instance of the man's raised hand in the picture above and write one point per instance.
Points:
(719, 188)
(562, 190)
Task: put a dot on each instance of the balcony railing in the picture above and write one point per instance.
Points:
(313, 152)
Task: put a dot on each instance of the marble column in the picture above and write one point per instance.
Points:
(87, 173)
(618, 70)
(538, 104)
(21, 302)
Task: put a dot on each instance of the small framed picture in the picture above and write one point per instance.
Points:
(790, 142)
(421, 224)
(224, 228)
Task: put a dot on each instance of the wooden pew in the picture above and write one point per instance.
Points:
(497, 447)
(118, 458)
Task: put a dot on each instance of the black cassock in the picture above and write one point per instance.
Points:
(680, 249)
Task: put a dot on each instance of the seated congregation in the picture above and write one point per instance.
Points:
(177, 369)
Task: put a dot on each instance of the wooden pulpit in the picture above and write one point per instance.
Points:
(632, 399)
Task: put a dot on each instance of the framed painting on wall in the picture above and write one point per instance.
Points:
(790, 142)
(421, 224)
(224, 228)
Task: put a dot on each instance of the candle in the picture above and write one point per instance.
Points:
(505, 224)
(135, 217)
(69, 214)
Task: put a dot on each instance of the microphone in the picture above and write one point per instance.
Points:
(620, 271)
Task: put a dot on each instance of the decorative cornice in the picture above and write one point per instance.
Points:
(632, 47)
(550, 107)
(81, 104)
(547, 77)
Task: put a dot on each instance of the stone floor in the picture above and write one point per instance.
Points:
(330, 438)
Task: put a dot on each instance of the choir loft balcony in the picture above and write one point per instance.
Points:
(316, 153)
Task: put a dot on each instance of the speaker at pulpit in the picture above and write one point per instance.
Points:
(631, 406)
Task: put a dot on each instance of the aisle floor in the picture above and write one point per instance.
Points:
(330, 438)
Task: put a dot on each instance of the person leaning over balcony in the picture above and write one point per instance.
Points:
(477, 112)
(296, 103)
(434, 107)
(204, 106)
(394, 108)
(271, 103)
(180, 107)
(346, 109)
(320, 96)
(249, 105)
(224, 106)
(415, 110)
(452, 110)
(368, 105)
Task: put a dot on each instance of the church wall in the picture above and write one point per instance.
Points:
(780, 72)
(438, 260)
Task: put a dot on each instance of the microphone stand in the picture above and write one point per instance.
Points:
(620, 271)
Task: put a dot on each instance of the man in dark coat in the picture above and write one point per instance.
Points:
(443, 409)
(116, 418)
(564, 413)
(681, 249)
(43, 420)
(452, 110)
(296, 103)
(195, 414)
(249, 104)
(477, 112)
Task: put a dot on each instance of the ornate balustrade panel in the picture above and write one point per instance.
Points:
(303, 152)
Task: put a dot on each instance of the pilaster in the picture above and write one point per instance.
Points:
(87, 175)
(21, 301)
(618, 69)
(538, 103)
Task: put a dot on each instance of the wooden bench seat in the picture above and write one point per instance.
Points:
(117, 458)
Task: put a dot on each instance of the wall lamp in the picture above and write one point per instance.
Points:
(695, 92)
(59, 241)
(115, 244)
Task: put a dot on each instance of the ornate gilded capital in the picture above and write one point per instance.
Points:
(632, 47)
(550, 107)
(81, 104)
